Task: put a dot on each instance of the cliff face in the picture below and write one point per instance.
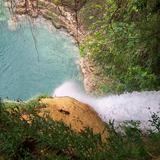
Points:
(60, 16)
(74, 113)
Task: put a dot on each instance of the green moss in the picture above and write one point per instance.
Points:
(53, 18)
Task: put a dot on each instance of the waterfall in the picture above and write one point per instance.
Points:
(137, 106)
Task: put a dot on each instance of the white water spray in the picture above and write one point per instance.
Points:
(138, 106)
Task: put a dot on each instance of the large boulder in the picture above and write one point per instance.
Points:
(74, 113)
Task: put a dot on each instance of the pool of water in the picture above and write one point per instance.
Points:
(34, 58)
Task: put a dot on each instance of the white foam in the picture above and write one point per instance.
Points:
(137, 106)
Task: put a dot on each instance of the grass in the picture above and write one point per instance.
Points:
(42, 138)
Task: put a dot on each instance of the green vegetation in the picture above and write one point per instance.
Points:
(40, 138)
(124, 41)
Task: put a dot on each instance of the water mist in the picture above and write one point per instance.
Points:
(138, 106)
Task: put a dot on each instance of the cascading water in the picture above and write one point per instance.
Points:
(34, 56)
(138, 106)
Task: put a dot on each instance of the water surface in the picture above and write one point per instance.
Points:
(34, 58)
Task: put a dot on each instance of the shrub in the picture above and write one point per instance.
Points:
(124, 42)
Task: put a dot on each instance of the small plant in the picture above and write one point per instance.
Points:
(155, 122)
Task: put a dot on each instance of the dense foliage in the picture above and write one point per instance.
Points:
(124, 40)
(41, 138)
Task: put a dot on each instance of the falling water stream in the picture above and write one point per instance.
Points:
(137, 106)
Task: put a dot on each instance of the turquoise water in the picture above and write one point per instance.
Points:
(34, 59)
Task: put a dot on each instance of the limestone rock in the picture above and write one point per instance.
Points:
(74, 113)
